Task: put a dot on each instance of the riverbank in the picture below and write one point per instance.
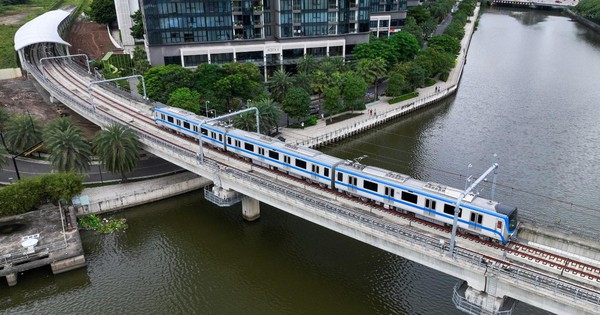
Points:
(593, 26)
(381, 112)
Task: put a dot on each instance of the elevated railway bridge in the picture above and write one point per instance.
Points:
(491, 276)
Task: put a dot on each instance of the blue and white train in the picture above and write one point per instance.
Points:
(430, 201)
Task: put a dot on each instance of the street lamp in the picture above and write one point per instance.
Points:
(206, 105)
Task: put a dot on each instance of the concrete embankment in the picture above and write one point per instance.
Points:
(381, 112)
(121, 196)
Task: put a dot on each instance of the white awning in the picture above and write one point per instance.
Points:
(42, 29)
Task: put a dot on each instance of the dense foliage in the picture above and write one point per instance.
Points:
(69, 150)
(22, 132)
(103, 226)
(137, 30)
(102, 11)
(117, 148)
(589, 9)
(27, 194)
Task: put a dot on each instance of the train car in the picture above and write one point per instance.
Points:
(430, 201)
(302, 162)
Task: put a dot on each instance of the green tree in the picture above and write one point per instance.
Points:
(319, 82)
(269, 116)
(102, 11)
(378, 48)
(330, 65)
(353, 90)
(456, 30)
(372, 70)
(22, 132)
(419, 13)
(140, 60)
(416, 75)
(307, 64)
(406, 45)
(117, 148)
(445, 43)
(185, 98)
(62, 185)
(303, 80)
(137, 30)
(413, 28)
(206, 76)
(161, 81)
(296, 103)
(429, 26)
(69, 150)
(280, 83)
(396, 84)
(332, 101)
(246, 79)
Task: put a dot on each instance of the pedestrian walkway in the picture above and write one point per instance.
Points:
(381, 111)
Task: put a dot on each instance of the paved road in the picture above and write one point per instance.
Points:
(150, 166)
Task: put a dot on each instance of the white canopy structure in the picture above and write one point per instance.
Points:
(42, 29)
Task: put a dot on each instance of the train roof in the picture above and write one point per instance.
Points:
(180, 112)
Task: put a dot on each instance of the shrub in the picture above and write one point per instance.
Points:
(403, 97)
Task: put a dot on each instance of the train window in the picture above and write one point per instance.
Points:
(410, 197)
(476, 217)
(237, 143)
(301, 164)
(228, 140)
(204, 131)
(286, 159)
(249, 146)
(389, 192)
(195, 128)
(340, 176)
(170, 119)
(220, 137)
(261, 151)
(213, 135)
(186, 125)
(273, 154)
(352, 180)
(326, 172)
(315, 169)
(178, 122)
(430, 204)
(449, 209)
(162, 116)
(370, 185)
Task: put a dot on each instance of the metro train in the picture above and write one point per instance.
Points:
(429, 201)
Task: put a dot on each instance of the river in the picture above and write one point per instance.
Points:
(528, 93)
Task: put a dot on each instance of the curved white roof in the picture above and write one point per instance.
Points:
(42, 29)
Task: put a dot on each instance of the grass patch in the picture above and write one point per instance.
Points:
(403, 97)
(342, 117)
(102, 226)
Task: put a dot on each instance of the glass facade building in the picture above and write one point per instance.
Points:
(266, 32)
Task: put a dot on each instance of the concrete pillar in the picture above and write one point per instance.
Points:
(250, 209)
(68, 264)
(11, 279)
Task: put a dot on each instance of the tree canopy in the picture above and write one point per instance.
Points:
(161, 81)
(103, 11)
(296, 103)
(117, 148)
(185, 98)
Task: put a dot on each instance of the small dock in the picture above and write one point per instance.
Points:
(47, 236)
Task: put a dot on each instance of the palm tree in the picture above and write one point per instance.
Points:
(330, 65)
(371, 70)
(319, 82)
(269, 115)
(22, 132)
(307, 64)
(280, 83)
(69, 150)
(117, 148)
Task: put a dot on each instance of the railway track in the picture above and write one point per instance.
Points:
(512, 254)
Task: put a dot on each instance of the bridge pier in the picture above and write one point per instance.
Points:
(11, 279)
(473, 301)
(250, 209)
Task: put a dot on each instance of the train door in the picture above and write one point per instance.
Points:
(352, 183)
(389, 195)
(316, 170)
